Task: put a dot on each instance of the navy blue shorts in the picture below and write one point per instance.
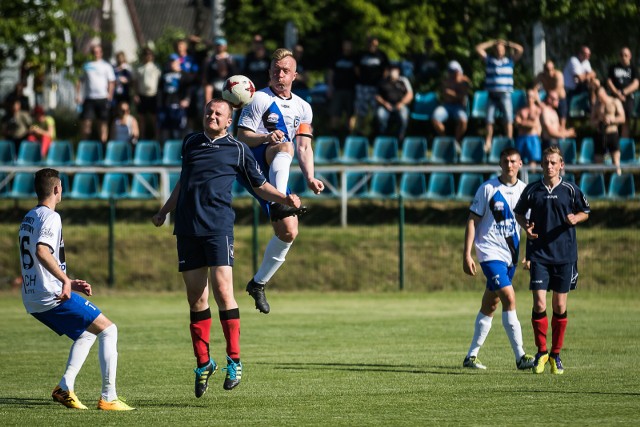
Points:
(204, 251)
(499, 275)
(71, 318)
(560, 278)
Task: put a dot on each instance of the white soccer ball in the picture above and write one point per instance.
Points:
(238, 90)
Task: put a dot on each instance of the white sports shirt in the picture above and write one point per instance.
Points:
(498, 234)
(97, 75)
(39, 287)
(268, 112)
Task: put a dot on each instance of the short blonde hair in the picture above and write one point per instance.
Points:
(280, 54)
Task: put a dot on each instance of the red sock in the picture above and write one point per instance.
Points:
(230, 321)
(540, 328)
(558, 326)
(200, 331)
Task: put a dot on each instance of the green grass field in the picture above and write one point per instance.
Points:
(339, 359)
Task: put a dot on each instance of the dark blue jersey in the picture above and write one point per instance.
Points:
(209, 168)
(556, 242)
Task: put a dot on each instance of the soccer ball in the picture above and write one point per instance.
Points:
(238, 90)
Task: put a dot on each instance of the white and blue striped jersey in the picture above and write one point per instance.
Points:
(499, 74)
(497, 235)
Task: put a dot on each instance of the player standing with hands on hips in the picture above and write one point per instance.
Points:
(275, 124)
(47, 295)
(556, 207)
(204, 219)
(493, 228)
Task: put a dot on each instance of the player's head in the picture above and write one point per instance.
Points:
(218, 115)
(510, 162)
(47, 183)
(552, 162)
(282, 71)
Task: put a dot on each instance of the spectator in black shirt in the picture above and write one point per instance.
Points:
(622, 82)
(393, 98)
(341, 82)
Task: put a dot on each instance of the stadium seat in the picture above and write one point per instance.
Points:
(468, 185)
(117, 153)
(423, 105)
(174, 177)
(326, 150)
(29, 154)
(115, 185)
(533, 177)
(587, 151)
(89, 153)
(7, 152)
(569, 150)
(356, 149)
(331, 185)
(383, 186)
(569, 177)
(518, 99)
(413, 185)
(443, 150)
(385, 150)
(64, 180)
(414, 150)
(5, 185)
(472, 150)
(23, 186)
(357, 184)
(479, 106)
(627, 150)
(297, 183)
(592, 184)
(499, 143)
(60, 154)
(85, 185)
(172, 152)
(579, 106)
(621, 186)
(144, 186)
(147, 153)
(238, 190)
(441, 186)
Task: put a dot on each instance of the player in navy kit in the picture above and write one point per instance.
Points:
(556, 207)
(276, 123)
(204, 219)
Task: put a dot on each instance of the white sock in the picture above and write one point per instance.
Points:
(274, 256)
(108, 356)
(514, 332)
(77, 355)
(481, 330)
(279, 171)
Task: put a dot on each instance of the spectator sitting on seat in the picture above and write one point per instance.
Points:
(623, 83)
(125, 126)
(43, 130)
(552, 130)
(341, 81)
(454, 95)
(16, 123)
(579, 77)
(606, 115)
(393, 98)
(552, 79)
(529, 128)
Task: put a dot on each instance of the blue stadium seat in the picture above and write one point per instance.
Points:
(172, 152)
(472, 150)
(423, 105)
(443, 150)
(518, 99)
(579, 106)
(147, 153)
(413, 185)
(326, 150)
(569, 177)
(479, 106)
(357, 184)
(7, 152)
(592, 185)
(23, 185)
(115, 185)
(174, 177)
(5, 185)
(385, 150)
(64, 180)
(627, 150)
(89, 153)
(29, 154)
(117, 153)
(144, 186)
(383, 186)
(468, 185)
(85, 185)
(498, 144)
(60, 154)
(569, 150)
(621, 186)
(414, 150)
(297, 183)
(238, 190)
(356, 149)
(533, 177)
(441, 186)
(587, 151)
(331, 185)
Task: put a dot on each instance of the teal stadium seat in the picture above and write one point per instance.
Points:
(89, 153)
(7, 153)
(423, 105)
(383, 186)
(238, 190)
(115, 185)
(468, 185)
(29, 154)
(172, 152)
(479, 105)
(326, 150)
(60, 154)
(533, 177)
(5, 185)
(144, 186)
(592, 185)
(23, 186)
(621, 186)
(297, 183)
(518, 99)
(117, 153)
(357, 184)
(414, 150)
(569, 150)
(331, 185)
(385, 150)
(85, 185)
(579, 106)
(174, 177)
(441, 186)
(569, 177)
(413, 185)
(472, 150)
(443, 150)
(627, 150)
(587, 151)
(147, 153)
(498, 144)
(356, 149)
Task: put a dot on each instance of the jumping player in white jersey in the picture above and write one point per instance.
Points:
(275, 124)
(47, 296)
(493, 228)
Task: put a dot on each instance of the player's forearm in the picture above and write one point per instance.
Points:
(469, 237)
(172, 201)
(269, 192)
(251, 138)
(305, 159)
(522, 220)
(49, 263)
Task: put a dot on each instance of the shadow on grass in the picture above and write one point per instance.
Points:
(24, 401)
(367, 367)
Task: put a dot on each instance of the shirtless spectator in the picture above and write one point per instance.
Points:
(606, 115)
(455, 94)
(552, 131)
(529, 128)
(552, 79)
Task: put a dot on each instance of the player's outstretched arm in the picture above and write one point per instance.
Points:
(305, 157)
(468, 264)
(159, 218)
